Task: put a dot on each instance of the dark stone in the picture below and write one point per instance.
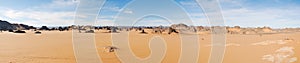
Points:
(10, 30)
(19, 31)
(172, 31)
(38, 32)
(44, 28)
(143, 32)
(90, 31)
(113, 30)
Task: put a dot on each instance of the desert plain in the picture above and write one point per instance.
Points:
(57, 47)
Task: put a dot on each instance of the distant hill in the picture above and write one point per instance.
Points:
(4, 25)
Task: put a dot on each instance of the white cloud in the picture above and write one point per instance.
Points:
(191, 4)
(41, 18)
(104, 22)
(47, 14)
(261, 17)
(127, 11)
(235, 2)
(256, 17)
(112, 8)
(60, 3)
(236, 12)
(43, 15)
(56, 5)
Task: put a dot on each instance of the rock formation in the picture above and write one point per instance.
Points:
(143, 32)
(234, 30)
(44, 28)
(183, 28)
(4, 25)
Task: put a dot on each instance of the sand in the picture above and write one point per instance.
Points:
(57, 47)
(49, 47)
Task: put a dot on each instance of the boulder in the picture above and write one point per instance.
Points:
(38, 32)
(44, 28)
(90, 31)
(19, 31)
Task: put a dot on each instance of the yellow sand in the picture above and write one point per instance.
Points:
(56, 47)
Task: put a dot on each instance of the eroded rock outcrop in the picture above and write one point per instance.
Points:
(4, 25)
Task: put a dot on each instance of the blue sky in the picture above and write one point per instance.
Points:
(246, 13)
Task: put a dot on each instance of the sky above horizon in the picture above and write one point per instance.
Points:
(245, 13)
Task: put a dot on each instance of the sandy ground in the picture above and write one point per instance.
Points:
(56, 47)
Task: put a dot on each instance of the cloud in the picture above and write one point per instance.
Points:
(261, 17)
(239, 13)
(232, 2)
(56, 13)
(235, 12)
(56, 5)
(41, 18)
(104, 22)
(111, 8)
(62, 3)
(128, 11)
(190, 4)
